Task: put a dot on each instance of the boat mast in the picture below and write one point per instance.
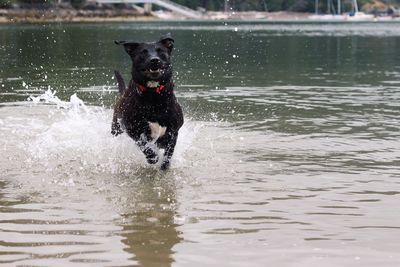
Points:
(355, 6)
(339, 7)
(329, 7)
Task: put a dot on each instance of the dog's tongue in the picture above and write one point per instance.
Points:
(154, 68)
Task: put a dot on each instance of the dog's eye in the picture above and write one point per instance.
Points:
(144, 51)
(163, 56)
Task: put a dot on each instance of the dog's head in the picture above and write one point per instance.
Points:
(151, 61)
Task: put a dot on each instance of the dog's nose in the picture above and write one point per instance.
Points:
(155, 60)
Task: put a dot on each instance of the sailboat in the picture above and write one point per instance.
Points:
(332, 14)
(358, 15)
(355, 15)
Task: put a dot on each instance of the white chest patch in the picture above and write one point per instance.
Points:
(153, 84)
(157, 130)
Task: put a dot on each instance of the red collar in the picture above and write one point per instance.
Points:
(141, 88)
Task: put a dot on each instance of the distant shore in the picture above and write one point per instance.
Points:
(101, 15)
(65, 15)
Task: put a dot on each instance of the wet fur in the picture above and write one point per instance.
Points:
(140, 114)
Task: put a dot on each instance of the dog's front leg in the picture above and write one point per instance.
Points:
(116, 126)
(169, 149)
(149, 149)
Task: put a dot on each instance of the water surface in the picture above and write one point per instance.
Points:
(289, 155)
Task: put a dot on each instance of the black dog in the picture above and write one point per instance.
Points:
(147, 109)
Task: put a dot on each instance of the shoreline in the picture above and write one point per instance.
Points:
(69, 15)
(119, 15)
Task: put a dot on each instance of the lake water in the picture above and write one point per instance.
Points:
(289, 155)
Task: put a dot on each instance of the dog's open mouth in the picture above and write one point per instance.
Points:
(154, 70)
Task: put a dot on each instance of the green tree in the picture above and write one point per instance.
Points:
(6, 3)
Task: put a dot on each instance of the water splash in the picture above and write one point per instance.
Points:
(49, 97)
(76, 138)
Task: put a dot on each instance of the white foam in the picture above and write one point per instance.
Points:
(79, 136)
(48, 97)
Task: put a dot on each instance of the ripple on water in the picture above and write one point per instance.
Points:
(73, 195)
(67, 194)
(280, 29)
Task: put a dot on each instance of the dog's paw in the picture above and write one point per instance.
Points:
(151, 156)
(116, 132)
(165, 165)
(116, 129)
(153, 160)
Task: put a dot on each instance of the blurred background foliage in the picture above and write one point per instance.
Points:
(277, 5)
(231, 5)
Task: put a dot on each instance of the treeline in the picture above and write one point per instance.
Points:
(228, 5)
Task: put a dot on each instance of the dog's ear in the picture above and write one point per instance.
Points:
(167, 41)
(129, 46)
